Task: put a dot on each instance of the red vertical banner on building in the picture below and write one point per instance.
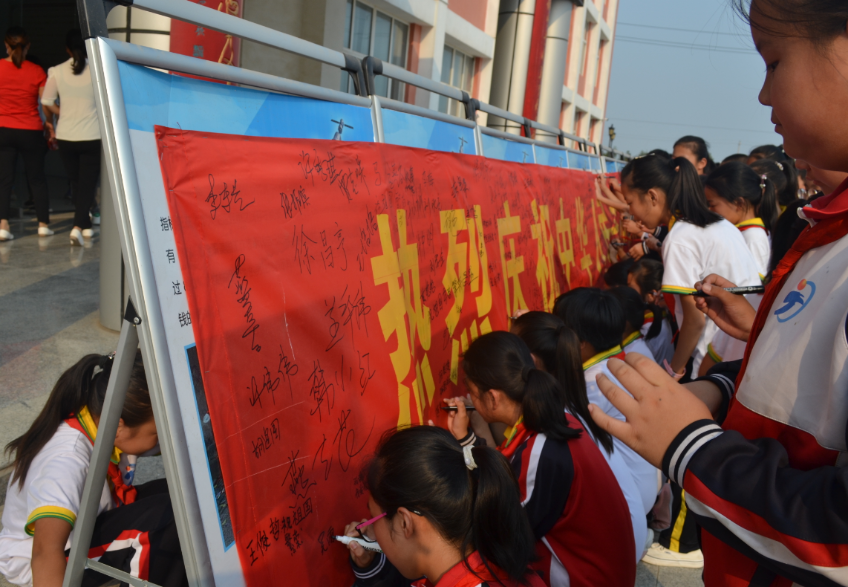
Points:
(197, 41)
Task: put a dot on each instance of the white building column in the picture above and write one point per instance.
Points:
(512, 55)
(553, 68)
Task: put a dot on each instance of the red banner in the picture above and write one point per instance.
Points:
(332, 290)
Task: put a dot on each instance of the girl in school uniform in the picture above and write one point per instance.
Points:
(134, 530)
(443, 515)
(735, 192)
(699, 242)
(577, 511)
(635, 310)
(645, 278)
(556, 350)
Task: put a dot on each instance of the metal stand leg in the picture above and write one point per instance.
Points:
(113, 405)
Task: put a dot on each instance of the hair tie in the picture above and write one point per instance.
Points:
(105, 360)
(779, 165)
(469, 457)
(763, 179)
(525, 373)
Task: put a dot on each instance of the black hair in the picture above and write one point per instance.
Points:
(83, 385)
(594, 315)
(660, 152)
(700, 148)
(18, 40)
(648, 274)
(678, 179)
(423, 469)
(75, 44)
(789, 192)
(500, 360)
(634, 308)
(736, 181)
(617, 273)
(735, 157)
(818, 21)
(773, 170)
(787, 228)
(558, 347)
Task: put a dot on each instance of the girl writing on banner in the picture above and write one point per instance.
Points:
(699, 242)
(567, 488)
(768, 488)
(443, 515)
(134, 531)
(556, 350)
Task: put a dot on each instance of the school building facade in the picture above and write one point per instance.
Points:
(547, 60)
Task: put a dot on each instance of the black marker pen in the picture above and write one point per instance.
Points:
(453, 408)
(748, 289)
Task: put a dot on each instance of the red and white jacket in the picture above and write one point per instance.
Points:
(770, 489)
(576, 509)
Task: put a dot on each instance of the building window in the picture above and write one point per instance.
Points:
(371, 32)
(457, 71)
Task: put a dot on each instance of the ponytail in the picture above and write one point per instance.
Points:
(75, 44)
(558, 347)
(736, 181)
(18, 40)
(685, 196)
(634, 310)
(679, 180)
(424, 470)
(83, 385)
(500, 360)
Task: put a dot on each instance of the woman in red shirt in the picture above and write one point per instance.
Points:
(21, 129)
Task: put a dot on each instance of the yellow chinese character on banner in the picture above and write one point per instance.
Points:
(545, 274)
(467, 266)
(514, 266)
(398, 270)
(582, 237)
(565, 243)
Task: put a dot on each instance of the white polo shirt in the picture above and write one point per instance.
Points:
(52, 488)
(690, 253)
(758, 241)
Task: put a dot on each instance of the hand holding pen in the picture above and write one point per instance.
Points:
(731, 312)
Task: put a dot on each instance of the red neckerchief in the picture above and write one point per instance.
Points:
(122, 493)
(460, 576)
(516, 439)
(831, 212)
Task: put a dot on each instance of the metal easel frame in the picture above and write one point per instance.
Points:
(143, 320)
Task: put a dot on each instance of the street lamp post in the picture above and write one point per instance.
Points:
(611, 135)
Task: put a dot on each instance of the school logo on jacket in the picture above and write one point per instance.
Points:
(795, 301)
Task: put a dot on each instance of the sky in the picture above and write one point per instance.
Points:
(683, 67)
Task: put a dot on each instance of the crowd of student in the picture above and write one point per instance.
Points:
(591, 407)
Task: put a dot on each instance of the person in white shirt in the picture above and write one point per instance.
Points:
(735, 192)
(597, 319)
(134, 531)
(699, 242)
(556, 350)
(635, 309)
(69, 95)
(645, 278)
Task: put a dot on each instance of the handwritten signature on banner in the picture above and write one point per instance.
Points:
(336, 288)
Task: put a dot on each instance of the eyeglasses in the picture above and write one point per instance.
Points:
(359, 527)
(367, 523)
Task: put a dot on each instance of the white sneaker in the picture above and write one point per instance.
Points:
(663, 557)
(5, 235)
(76, 237)
(87, 232)
(44, 231)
